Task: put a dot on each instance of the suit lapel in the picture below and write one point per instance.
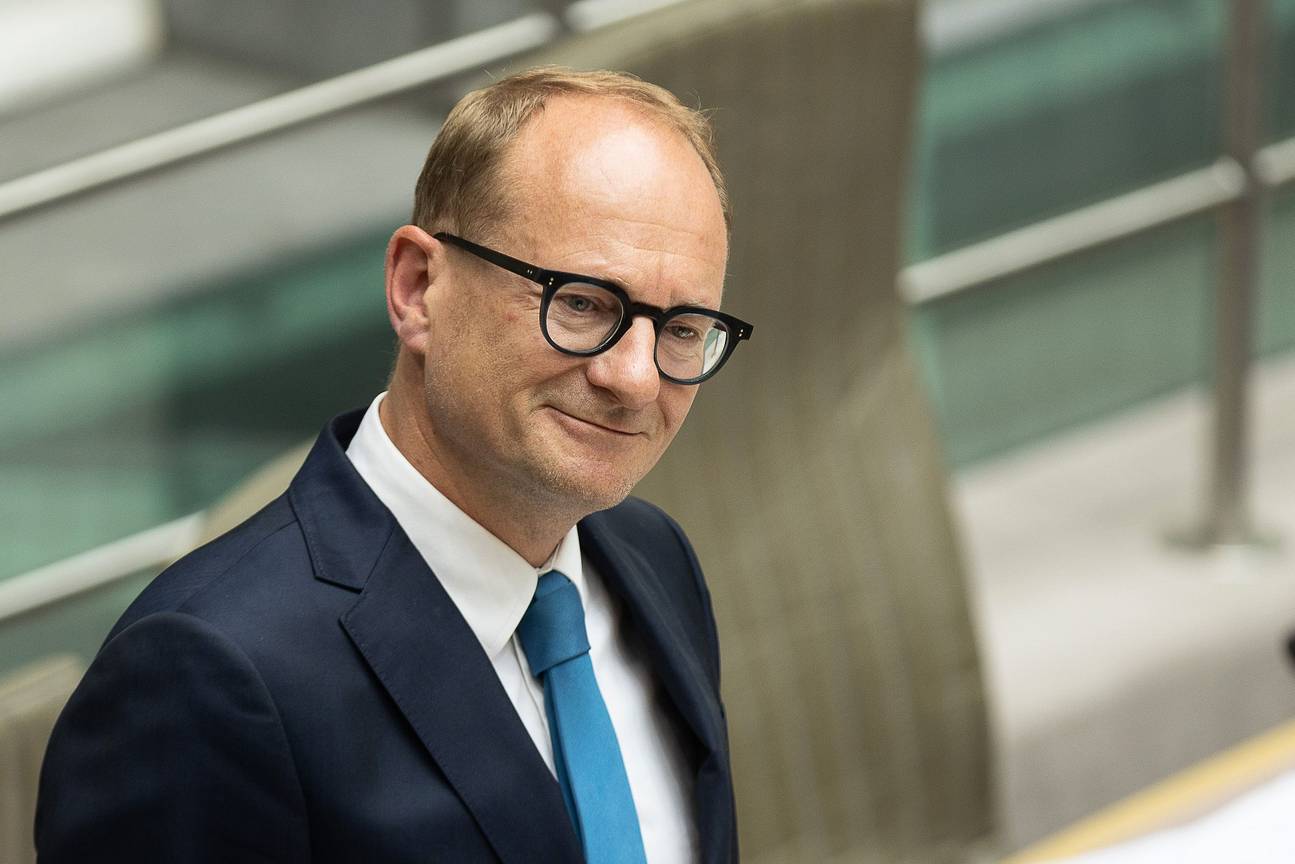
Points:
(424, 654)
(653, 614)
(412, 635)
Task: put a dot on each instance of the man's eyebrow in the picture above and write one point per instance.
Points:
(598, 276)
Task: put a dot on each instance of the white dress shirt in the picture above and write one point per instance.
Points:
(492, 586)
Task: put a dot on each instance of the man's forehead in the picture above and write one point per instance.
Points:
(578, 144)
(565, 114)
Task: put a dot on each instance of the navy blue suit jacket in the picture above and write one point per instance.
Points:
(303, 689)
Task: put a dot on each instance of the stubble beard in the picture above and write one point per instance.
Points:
(563, 486)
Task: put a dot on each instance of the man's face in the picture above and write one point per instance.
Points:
(601, 191)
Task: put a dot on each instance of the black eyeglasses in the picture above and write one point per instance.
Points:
(584, 315)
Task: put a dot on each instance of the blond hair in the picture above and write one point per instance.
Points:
(461, 188)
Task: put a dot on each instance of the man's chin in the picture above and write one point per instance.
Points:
(592, 474)
(584, 491)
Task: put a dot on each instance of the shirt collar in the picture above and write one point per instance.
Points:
(489, 582)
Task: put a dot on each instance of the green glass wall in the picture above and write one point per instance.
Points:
(1059, 116)
(151, 416)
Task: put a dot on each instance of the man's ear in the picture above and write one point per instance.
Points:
(415, 259)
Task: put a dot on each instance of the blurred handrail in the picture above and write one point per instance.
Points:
(1087, 228)
(1195, 193)
(365, 86)
(103, 565)
(277, 113)
(1275, 164)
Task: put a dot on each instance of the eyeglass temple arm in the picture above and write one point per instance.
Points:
(499, 259)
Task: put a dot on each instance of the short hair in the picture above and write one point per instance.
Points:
(461, 187)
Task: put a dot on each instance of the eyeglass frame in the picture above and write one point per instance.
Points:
(553, 280)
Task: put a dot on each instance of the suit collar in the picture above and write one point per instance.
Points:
(344, 523)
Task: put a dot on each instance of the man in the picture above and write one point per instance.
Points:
(453, 639)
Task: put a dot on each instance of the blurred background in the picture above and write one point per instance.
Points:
(1058, 230)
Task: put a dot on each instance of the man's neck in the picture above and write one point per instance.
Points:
(533, 532)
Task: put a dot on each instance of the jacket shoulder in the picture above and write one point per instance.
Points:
(270, 542)
(171, 718)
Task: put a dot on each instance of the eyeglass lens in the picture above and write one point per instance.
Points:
(582, 317)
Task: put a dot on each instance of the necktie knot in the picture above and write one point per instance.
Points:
(553, 629)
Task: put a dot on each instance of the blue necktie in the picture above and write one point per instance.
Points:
(585, 751)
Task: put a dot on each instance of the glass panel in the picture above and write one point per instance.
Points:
(1062, 110)
(690, 345)
(1028, 356)
(1279, 67)
(138, 419)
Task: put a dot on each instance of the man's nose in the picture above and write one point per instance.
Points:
(628, 369)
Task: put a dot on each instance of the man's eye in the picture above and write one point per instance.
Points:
(577, 303)
(681, 332)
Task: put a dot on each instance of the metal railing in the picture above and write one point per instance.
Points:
(1237, 178)
(1083, 230)
(1192, 194)
(276, 114)
(1232, 188)
(422, 68)
(98, 567)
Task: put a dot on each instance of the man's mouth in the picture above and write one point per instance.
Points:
(603, 424)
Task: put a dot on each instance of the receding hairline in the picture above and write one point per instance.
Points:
(462, 185)
(516, 180)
